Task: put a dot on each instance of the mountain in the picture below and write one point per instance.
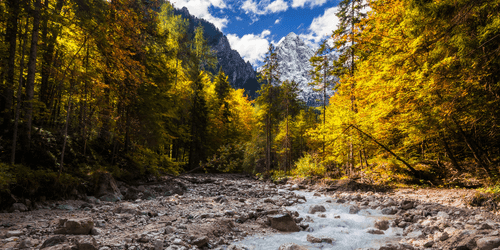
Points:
(293, 64)
(240, 73)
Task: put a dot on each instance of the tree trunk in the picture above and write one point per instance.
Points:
(48, 56)
(6, 100)
(65, 135)
(19, 94)
(30, 83)
(450, 153)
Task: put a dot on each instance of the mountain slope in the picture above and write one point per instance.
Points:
(240, 73)
(293, 60)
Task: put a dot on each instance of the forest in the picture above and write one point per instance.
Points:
(121, 86)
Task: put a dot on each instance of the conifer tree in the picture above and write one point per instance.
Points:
(271, 75)
(321, 76)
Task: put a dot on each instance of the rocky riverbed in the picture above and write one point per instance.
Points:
(228, 211)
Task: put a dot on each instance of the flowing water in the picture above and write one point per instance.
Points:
(348, 231)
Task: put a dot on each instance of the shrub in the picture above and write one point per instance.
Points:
(309, 165)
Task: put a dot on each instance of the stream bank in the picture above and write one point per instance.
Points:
(225, 211)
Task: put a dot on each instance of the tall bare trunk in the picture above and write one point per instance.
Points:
(30, 83)
(6, 100)
(19, 94)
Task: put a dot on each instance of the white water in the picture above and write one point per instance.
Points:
(349, 231)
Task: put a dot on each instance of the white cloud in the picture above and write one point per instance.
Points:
(200, 9)
(277, 6)
(264, 7)
(239, 18)
(277, 21)
(250, 46)
(321, 27)
(311, 3)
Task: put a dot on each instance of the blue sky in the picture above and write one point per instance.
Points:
(250, 25)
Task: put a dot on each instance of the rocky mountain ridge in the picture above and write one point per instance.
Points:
(240, 73)
(293, 60)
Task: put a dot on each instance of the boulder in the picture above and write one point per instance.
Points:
(407, 204)
(200, 242)
(316, 208)
(374, 231)
(283, 222)
(87, 243)
(488, 243)
(313, 239)
(127, 208)
(19, 207)
(389, 211)
(353, 209)
(52, 241)
(75, 226)
(107, 186)
(291, 246)
(382, 225)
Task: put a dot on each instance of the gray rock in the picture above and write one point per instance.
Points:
(313, 239)
(292, 246)
(158, 245)
(316, 208)
(127, 208)
(389, 211)
(429, 243)
(87, 243)
(200, 242)
(441, 236)
(107, 186)
(417, 234)
(382, 225)
(26, 243)
(374, 231)
(353, 209)
(19, 207)
(488, 243)
(15, 233)
(75, 226)
(55, 240)
(283, 222)
(484, 226)
(407, 204)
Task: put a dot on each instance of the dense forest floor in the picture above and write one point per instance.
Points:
(214, 210)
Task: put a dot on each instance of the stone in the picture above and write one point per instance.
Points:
(374, 231)
(313, 239)
(316, 208)
(15, 233)
(353, 209)
(19, 207)
(107, 186)
(55, 240)
(200, 242)
(295, 187)
(443, 215)
(283, 222)
(429, 243)
(322, 215)
(127, 208)
(441, 236)
(26, 243)
(87, 243)
(407, 204)
(75, 226)
(484, 226)
(292, 246)
(417, 234)
(382, 225)
(95, 231)
(389, 211)
(488, 243)
(158, 245)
